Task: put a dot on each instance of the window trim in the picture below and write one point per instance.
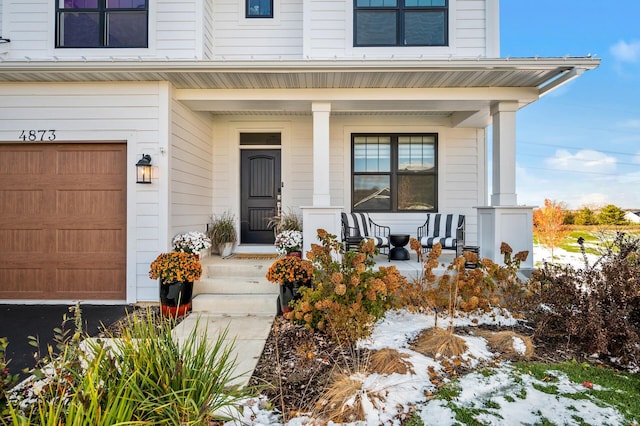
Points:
(103, 11)
(400, 9)
(247, 6)
(394, 173)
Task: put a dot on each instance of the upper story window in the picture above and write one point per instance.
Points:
(394, 172)
(259, 8)
(102, 23)
(401, 23)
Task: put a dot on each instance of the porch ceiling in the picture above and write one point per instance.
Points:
(460, 89)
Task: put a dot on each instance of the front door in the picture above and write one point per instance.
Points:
(260, 194)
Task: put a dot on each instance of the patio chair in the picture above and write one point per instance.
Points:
(446, 229)
(359, 226)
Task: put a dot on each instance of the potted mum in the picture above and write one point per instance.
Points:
(176, 271)
(191, 242)
(289, 242)
(290, 273)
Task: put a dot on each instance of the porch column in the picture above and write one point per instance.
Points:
(321, 112)
(321, 214)
(504, 153)
(504, 220)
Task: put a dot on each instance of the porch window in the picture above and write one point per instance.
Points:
(102, 23)
(400, 23)
(259, 9)
(394, 172)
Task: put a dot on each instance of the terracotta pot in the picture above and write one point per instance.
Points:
(295, 254)
(175, 298)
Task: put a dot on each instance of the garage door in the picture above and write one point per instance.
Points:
(63, 221)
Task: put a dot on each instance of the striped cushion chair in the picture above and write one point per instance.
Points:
(359, 226)
(446, 229)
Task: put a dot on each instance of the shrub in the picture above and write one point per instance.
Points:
(596, 308)
(347, 295)
(143, 377)
(483, 288)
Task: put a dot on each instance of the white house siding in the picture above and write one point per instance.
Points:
(175, 31)
(279, 37)
(104, 112)
(190, 194)
(207, 30)
(329, 33)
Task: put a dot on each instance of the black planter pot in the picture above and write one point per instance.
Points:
(175, 298)
(288, 293)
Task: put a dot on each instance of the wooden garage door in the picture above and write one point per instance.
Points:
(63, 221)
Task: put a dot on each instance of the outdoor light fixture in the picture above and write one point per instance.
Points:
(143, 169)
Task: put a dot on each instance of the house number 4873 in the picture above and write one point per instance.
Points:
(38, 135)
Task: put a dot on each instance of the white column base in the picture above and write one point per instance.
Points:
(314, 218)
(512, 225)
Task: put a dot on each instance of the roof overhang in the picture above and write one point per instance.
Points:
(462, 88)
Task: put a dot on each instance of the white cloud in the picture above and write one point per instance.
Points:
(636, 158)
(626, 52)
(587, 160)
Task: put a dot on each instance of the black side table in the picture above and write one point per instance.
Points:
(398, 252)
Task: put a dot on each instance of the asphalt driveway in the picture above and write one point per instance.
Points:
(17, 322)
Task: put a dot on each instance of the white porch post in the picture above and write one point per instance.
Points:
(504, 154)
(504, 220)
(321, 214)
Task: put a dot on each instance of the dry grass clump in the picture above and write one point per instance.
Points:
(389, 361)
(504, 342)
(435, 342)
(342, 401)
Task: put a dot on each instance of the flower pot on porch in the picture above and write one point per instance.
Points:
(288, 293)
(225, 249)
(295, 254)
(175, 298)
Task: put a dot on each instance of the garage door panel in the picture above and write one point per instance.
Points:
(22, 282)
(63, 221)
(22, 162)
(21, 202)
(90, 240)
(83, 162)
(19, 240)
(89, 203)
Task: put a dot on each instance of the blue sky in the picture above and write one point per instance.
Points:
(579, 144)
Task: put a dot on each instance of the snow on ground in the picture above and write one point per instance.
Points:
(500, 395)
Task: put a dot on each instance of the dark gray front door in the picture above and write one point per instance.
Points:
(260, 192)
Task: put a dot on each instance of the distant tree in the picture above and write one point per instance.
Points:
(569, 217)
(611, 215)
(585, 216)
(548, 225)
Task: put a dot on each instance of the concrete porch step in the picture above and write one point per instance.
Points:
(236, 304)
(235, 285)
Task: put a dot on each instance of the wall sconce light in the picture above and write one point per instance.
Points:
(143, 169)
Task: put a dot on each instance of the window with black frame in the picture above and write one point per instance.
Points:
(400, 23)
(102, 23)
(259, 9)
(394, 172)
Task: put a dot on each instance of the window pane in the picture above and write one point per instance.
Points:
(372, 154)
(416, 192)
(79, 29)
(376, 3)
(126, 29)
(424, 3)
(79, 4)
(376, 27)
(424, 28)
(126, 4)
(371, 193)
(259, 8)
(416, 153)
